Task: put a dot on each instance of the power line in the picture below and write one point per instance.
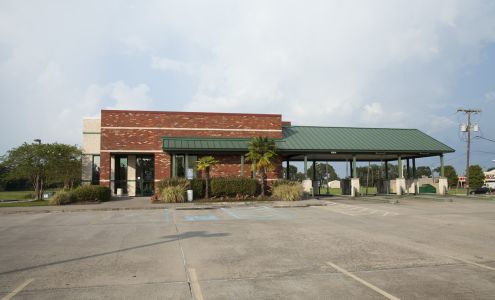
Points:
(483, 138)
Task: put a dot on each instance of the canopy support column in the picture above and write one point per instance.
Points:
(414, 168)
(305, 166)
(408, 169)
(287, 170)
(443, 184)
(354, 173)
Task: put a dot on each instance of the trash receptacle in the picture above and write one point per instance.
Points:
(189, 195)
(119, 192)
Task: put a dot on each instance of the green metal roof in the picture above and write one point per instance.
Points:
(360, 140)
(204, 144)
(323, 139)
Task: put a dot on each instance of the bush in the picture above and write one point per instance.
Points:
(284, 182)
(174, 181)
(287, 192)
(61, 198)
(233, 187)
(86, 193)
(198, 186)
(171, 190)
(173, 194)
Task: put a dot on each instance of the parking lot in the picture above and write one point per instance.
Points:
(346, 249)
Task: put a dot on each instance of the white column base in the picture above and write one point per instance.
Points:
(400, 186)
(307, 185)
(443, 186)
(355, 187)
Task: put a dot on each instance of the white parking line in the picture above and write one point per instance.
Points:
(198, 295)
(362, 281)
(473, 263)
(354, 210)
(17, 290)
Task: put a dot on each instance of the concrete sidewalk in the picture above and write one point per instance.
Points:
(138, 203)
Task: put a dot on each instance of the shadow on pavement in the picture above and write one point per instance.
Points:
(171, 238)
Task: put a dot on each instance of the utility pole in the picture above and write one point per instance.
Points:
(468, 113)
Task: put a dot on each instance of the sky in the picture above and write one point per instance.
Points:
(406, 64)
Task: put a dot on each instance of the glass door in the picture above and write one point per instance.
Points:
(145, 177)
(120, 174)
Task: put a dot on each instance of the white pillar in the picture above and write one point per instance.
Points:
(131, 175)
(355, 187)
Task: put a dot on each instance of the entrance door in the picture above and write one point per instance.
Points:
(120, 174)
(145, 177)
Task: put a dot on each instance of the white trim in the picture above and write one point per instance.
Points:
(133, 151)
(189, 128)
(104, 180)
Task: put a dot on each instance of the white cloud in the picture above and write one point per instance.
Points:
(166, 64)
(128, 97)
(490, 96)
(360, 63)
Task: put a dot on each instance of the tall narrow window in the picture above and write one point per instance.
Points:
(95, 173)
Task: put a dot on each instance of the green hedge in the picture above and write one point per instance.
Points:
(198, 186)
(84, 193)
(231, 187)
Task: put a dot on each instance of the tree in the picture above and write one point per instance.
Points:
(323, 171)
(42, 164)
(292, 172)
(204, 164)
(262, 151)
(423, 171)
(451, 174)
(28, 161)
(476, 176)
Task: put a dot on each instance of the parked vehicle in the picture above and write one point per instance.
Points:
(480, 190)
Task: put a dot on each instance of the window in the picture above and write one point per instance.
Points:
(182, 164)
(95, 173)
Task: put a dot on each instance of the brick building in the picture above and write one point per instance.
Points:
(130, 151)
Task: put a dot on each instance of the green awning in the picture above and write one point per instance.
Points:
(310, 139)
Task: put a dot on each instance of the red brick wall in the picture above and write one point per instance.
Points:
(105, 168)
(149, 139)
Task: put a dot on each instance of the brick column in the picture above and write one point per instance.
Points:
(162, 167)
(105, 168)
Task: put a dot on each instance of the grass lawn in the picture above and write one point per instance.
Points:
(16, 195)
(453, 191)
(21, 204)
(323, 191)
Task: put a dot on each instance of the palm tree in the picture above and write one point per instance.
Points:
(262, 151)
(205, 163)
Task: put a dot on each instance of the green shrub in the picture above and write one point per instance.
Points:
(233, 187)
(287, 192)
(86, 193)
(198, 186)
(61, 198)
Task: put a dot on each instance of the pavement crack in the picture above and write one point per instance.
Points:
(184, 261)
